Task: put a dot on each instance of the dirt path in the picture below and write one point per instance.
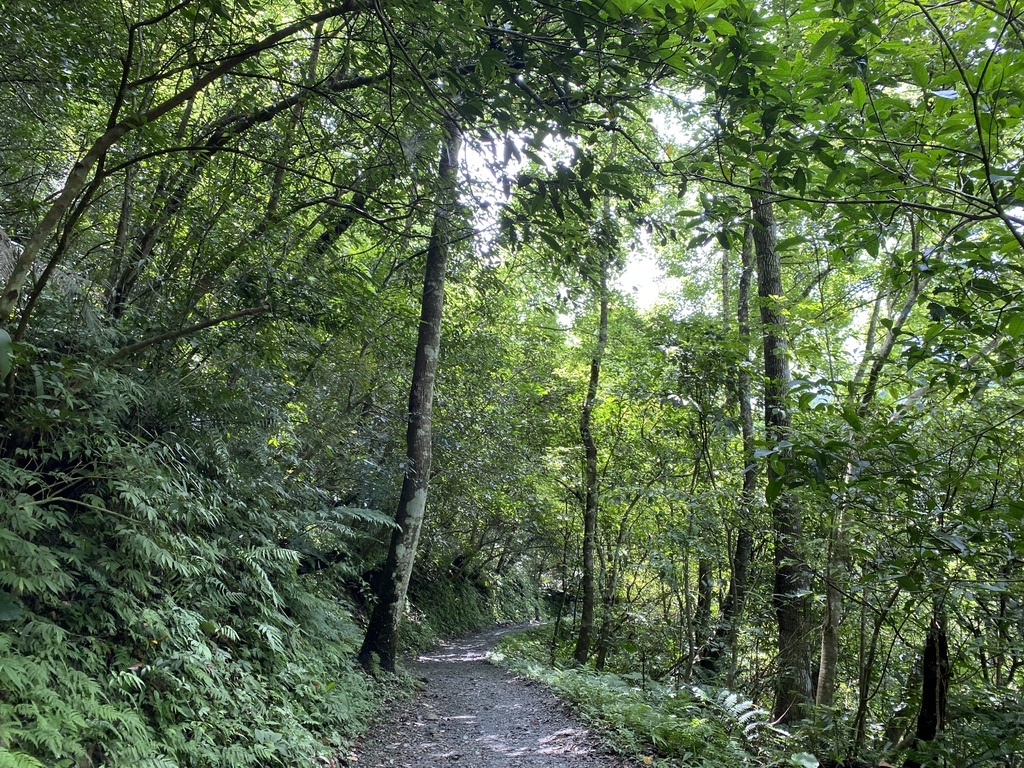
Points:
(475, 715)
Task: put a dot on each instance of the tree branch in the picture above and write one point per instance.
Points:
(138, 346)
(80, 173)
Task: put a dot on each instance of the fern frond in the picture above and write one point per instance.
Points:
(363, 515)
(10, 759)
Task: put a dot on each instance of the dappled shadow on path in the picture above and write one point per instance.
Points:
(468, 649)
(476, 715)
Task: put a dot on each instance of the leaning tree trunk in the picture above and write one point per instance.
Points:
(591, 502)
(382, 632)
(792, 581)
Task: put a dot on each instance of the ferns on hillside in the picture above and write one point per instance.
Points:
(699, 725)
(150, 610)
(736, 711)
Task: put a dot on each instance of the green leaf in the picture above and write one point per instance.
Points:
(760, 57)
(10, 610)
(821, 44)
(790, 242)
(6, 354)
(851, 417)
(800, 180)
(860, 93)
(1013, 324)
(722, 27)
(577, 25)
(920, 74)
(909, 581)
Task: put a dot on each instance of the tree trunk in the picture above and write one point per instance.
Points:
(833, 614)
(705, 595)
(591, 503)
(792, 581)
(382, 632)
(934, 686)
(608, 600)
(725, 633)
(744, 535)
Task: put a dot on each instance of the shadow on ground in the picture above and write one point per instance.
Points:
(476, 715)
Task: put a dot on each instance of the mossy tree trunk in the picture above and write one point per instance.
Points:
(382, 632)
(792, 581)
(591, 504)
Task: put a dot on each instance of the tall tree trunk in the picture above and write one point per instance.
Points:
(705, 596)
(382, 632)
(725, 633)
(832, 616)
(934, 685)
(608, 594)
(591, 502)
(748, 499)
(792, 580)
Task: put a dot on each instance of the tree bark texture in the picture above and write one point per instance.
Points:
(744, 535)
(382, 632)
(792, 580)
(833, 615)
(724, 636)
(705, 595)
(591, 503)
(931, 720)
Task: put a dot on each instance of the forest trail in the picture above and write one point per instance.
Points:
(473, 714)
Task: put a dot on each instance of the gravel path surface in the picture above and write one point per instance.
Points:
(475, 715)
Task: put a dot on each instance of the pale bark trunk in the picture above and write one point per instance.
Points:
(833, 614)
(382, 632)
(792, 580)
(591, 503)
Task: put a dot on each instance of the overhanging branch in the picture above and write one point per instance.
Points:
(132, 349)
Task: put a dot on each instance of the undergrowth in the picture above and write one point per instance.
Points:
(174, 583)
(688, 726)
(444, 606)
(151, 607)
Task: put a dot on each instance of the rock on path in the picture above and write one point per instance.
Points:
(475, 715)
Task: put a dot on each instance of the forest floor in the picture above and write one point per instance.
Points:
(472, 714)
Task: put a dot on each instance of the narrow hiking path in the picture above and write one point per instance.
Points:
(473, 714)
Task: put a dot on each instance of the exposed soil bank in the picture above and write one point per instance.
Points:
(475, 715)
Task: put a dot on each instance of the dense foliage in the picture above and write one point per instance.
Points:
(792, 485)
